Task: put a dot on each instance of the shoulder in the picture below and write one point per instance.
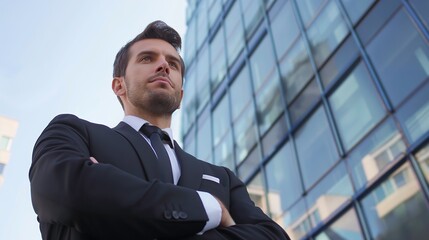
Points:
(73, 120)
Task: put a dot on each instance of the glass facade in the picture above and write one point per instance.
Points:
(320, 106)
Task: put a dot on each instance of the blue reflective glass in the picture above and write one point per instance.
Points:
(414, 114)
(356, 9)
(356, 106)
(347, 227)
(240, 92)
(316, 147)
(234, 33)
(397, 211)
(204, 141)
(202, 79)
(245, 133)
(284, 183)
(401, 69)
(221, 120)
(309, 9)
(284, 34)
(217, 59)
(422, 9)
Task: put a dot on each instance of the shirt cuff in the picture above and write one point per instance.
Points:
(213, 210)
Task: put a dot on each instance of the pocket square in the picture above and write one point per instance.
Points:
(211, 178)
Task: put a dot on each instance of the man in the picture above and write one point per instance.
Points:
(89, 181)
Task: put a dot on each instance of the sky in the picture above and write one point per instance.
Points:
(56, 57)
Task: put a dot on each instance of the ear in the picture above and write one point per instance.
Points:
(118, 86)
(181, 97)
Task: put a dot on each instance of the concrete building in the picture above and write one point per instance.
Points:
(320, 106)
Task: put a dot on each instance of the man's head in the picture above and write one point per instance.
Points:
(148, 72)
(155, 30)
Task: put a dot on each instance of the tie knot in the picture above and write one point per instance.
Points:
(149, 130)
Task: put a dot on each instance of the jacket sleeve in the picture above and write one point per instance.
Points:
(251, 222)
(101, 200)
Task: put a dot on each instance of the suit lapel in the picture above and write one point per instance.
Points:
(191, 169)
(146, 155)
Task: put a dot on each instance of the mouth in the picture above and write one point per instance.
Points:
(161, 79)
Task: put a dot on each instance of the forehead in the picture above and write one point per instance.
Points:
(153, 45)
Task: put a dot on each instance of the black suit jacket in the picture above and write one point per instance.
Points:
(120, 198)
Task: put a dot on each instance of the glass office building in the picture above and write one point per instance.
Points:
(320, 106)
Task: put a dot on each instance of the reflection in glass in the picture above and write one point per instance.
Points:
(256, 191)
(309, 9)
(296, 220)
(245, 133)
(276, 133)
(221, 121)
(252, 13)
(304, 101)
(355, 9)
(189, 101)
(223, 152)
(262, 63)
(422, 8)
(327, 32)
(316, 148)
(204, 140)
(345, 228)
(414, 114)
(202, 27)
(283, 181)
(401, 69)
(234, 32)
(422, 157)
(202, 80)
(215, 6)
(190, 42)
(375, 153)
(396, 209)
(356, 106)
(296, 70)
(217, 59)
(249, 165)
(329, 194)
(284, 34)
(240, 92)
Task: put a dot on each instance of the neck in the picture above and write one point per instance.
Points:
(159, 120)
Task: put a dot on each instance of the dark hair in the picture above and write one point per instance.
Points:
(155, 30)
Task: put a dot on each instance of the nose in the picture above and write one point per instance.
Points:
(163, 66)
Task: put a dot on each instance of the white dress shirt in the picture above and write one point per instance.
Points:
(210, 203)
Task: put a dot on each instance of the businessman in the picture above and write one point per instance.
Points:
(89, 181)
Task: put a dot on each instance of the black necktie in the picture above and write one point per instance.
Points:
(156, 136)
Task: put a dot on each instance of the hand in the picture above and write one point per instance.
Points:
(93, 159)
(226, 219)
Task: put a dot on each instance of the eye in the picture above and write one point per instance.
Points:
(145, 59)
(173, 65)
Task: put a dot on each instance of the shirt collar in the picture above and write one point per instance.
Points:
(136, 123)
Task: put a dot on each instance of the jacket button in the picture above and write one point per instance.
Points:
(167, 215)
(175, 214)
(183, 215)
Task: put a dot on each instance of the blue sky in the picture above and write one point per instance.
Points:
(56, 57)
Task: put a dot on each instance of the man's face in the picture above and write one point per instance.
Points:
(153, 79)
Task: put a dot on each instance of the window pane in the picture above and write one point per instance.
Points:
(345, 228)
(262, 63)
(204, 143)
(215, 7)
(203, 86)
(356, 9)
(223, 152)
(423, 158)
(272, 138)
(304, 101)
(422, 8)
(249, 165)
(269, 104)
(401, 69)
(414, 114)
(327, 32)
(297, 220)
(221, 121)
(309, 9)
(284, 184)
(190, 45)
(316, 147)
(329, 194)
(371, 157)
(252, 12)
(189, 144)
(356, 106)
(189, 101)
(234, 32)
(339, 62)
(256, 191)
(202, 25)
(401, 212)
(241, 92)
(284, 34)
(245, 133)
(296, 70)
(217, 59)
